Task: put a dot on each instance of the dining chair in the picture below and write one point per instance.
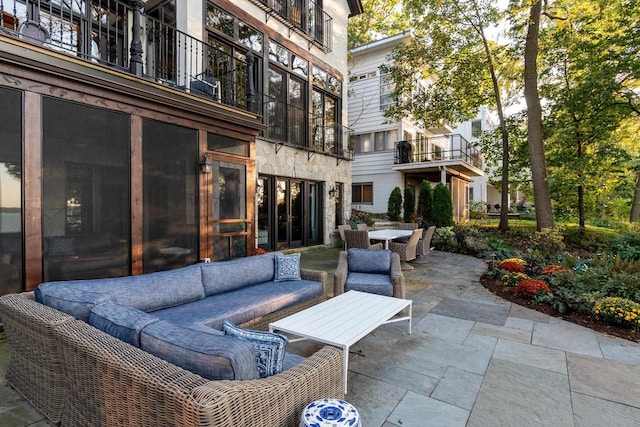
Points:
(362, 226)
(407, 251)
(359, 239)
(424, 244)
(341, 229)
(407, 226)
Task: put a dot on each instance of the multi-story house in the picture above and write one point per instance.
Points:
(389, 153)
(138, 136)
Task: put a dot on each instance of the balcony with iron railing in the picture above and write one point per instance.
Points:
(428, 150)
(98, 31)
(305, 17)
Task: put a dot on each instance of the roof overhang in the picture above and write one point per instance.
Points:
(454, 166)
(355, 7)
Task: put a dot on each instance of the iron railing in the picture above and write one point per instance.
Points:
(292, 125)
(305, 17)
(430, 150)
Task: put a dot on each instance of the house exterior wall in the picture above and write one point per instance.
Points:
(220, 137)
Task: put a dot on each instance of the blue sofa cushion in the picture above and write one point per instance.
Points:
(76, 302)
(241, 305)
(124, 323)
(212, 356)
(269, 347)
(287, 267)
(369, 261)
(224, 276)
(373, 283)
(146, 292)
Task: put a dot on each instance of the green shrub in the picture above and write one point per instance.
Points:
(425, 202)
(477, 210)
(394, 205)
(546, 244)
(442, 206)
(409, 204)
(627, 245)
(359, 217)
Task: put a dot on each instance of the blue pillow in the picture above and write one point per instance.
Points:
(270, 348)
(287, 267)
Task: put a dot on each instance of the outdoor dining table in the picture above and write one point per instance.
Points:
(388, 234)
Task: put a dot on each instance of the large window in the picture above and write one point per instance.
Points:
(386, 87)
(286, 112)
(327, 129)
(170, 202)
(363, 143)
(10, 191)
(362, 193)
(385, 140)
(85, 202)
(230, 40)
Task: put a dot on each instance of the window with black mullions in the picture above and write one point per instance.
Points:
(327, 128)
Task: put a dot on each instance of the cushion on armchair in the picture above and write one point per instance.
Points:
(369, 261)
(372, 283)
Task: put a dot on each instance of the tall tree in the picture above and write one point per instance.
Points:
(452, 49)
(542, 200)
(381, 18)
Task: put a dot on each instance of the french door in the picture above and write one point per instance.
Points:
(290, 209)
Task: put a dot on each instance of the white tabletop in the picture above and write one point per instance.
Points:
(389, 234)
(342, 320)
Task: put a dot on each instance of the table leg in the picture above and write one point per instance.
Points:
(410, 315)
(345, 354)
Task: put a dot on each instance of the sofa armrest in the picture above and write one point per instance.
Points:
(277, 400)
(113, 381)
(340, 276)
(316, 276)
(397, 278)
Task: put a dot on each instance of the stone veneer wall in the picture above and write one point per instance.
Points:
(293, 163)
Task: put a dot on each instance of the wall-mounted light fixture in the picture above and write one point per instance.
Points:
(332, 192)
(205, 164)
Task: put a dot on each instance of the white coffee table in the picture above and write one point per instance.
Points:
(344, 320)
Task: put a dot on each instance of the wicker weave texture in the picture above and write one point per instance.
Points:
(36, 367)
(359, 239)
(424, 244)
(115, 384)
(407, 251)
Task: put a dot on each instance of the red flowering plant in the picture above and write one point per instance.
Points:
(530, 287)
(511, 266)
(552, 269)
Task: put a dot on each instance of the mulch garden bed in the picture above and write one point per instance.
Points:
(584, 319)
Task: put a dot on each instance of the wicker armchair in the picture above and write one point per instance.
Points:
(359, 239)
(407, 226)
(341, 229)
(362, 226)
(407, 251)
(424, 244)
(395, 273)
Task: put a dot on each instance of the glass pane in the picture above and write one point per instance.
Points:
(225, 144)
(300, 66)
(297, 206)
(86, 217)
(367, 193)
(264, 202)
(10, 191)
(250, 37)
(220, 20)
(279, 54)
(282, 211)
(170, 203)
(335, 85)
(313, 213)
(225, 248)
(319, 77)
(356, 193)
(330, 124)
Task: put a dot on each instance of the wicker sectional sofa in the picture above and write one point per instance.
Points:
(76, 374)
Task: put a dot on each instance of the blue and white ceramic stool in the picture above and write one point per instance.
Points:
(330, 413)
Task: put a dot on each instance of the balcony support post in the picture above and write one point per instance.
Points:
(251, 91)
(135, 61)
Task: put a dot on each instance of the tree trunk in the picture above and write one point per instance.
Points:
(542, 199)
(635, 205)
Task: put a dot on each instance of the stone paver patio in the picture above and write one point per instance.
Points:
(473, 359)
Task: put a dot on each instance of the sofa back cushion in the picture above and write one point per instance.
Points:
(212, 356)
(369, 261)
(224, 276)
(146, 292)
(76, 302)
(124, 323)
